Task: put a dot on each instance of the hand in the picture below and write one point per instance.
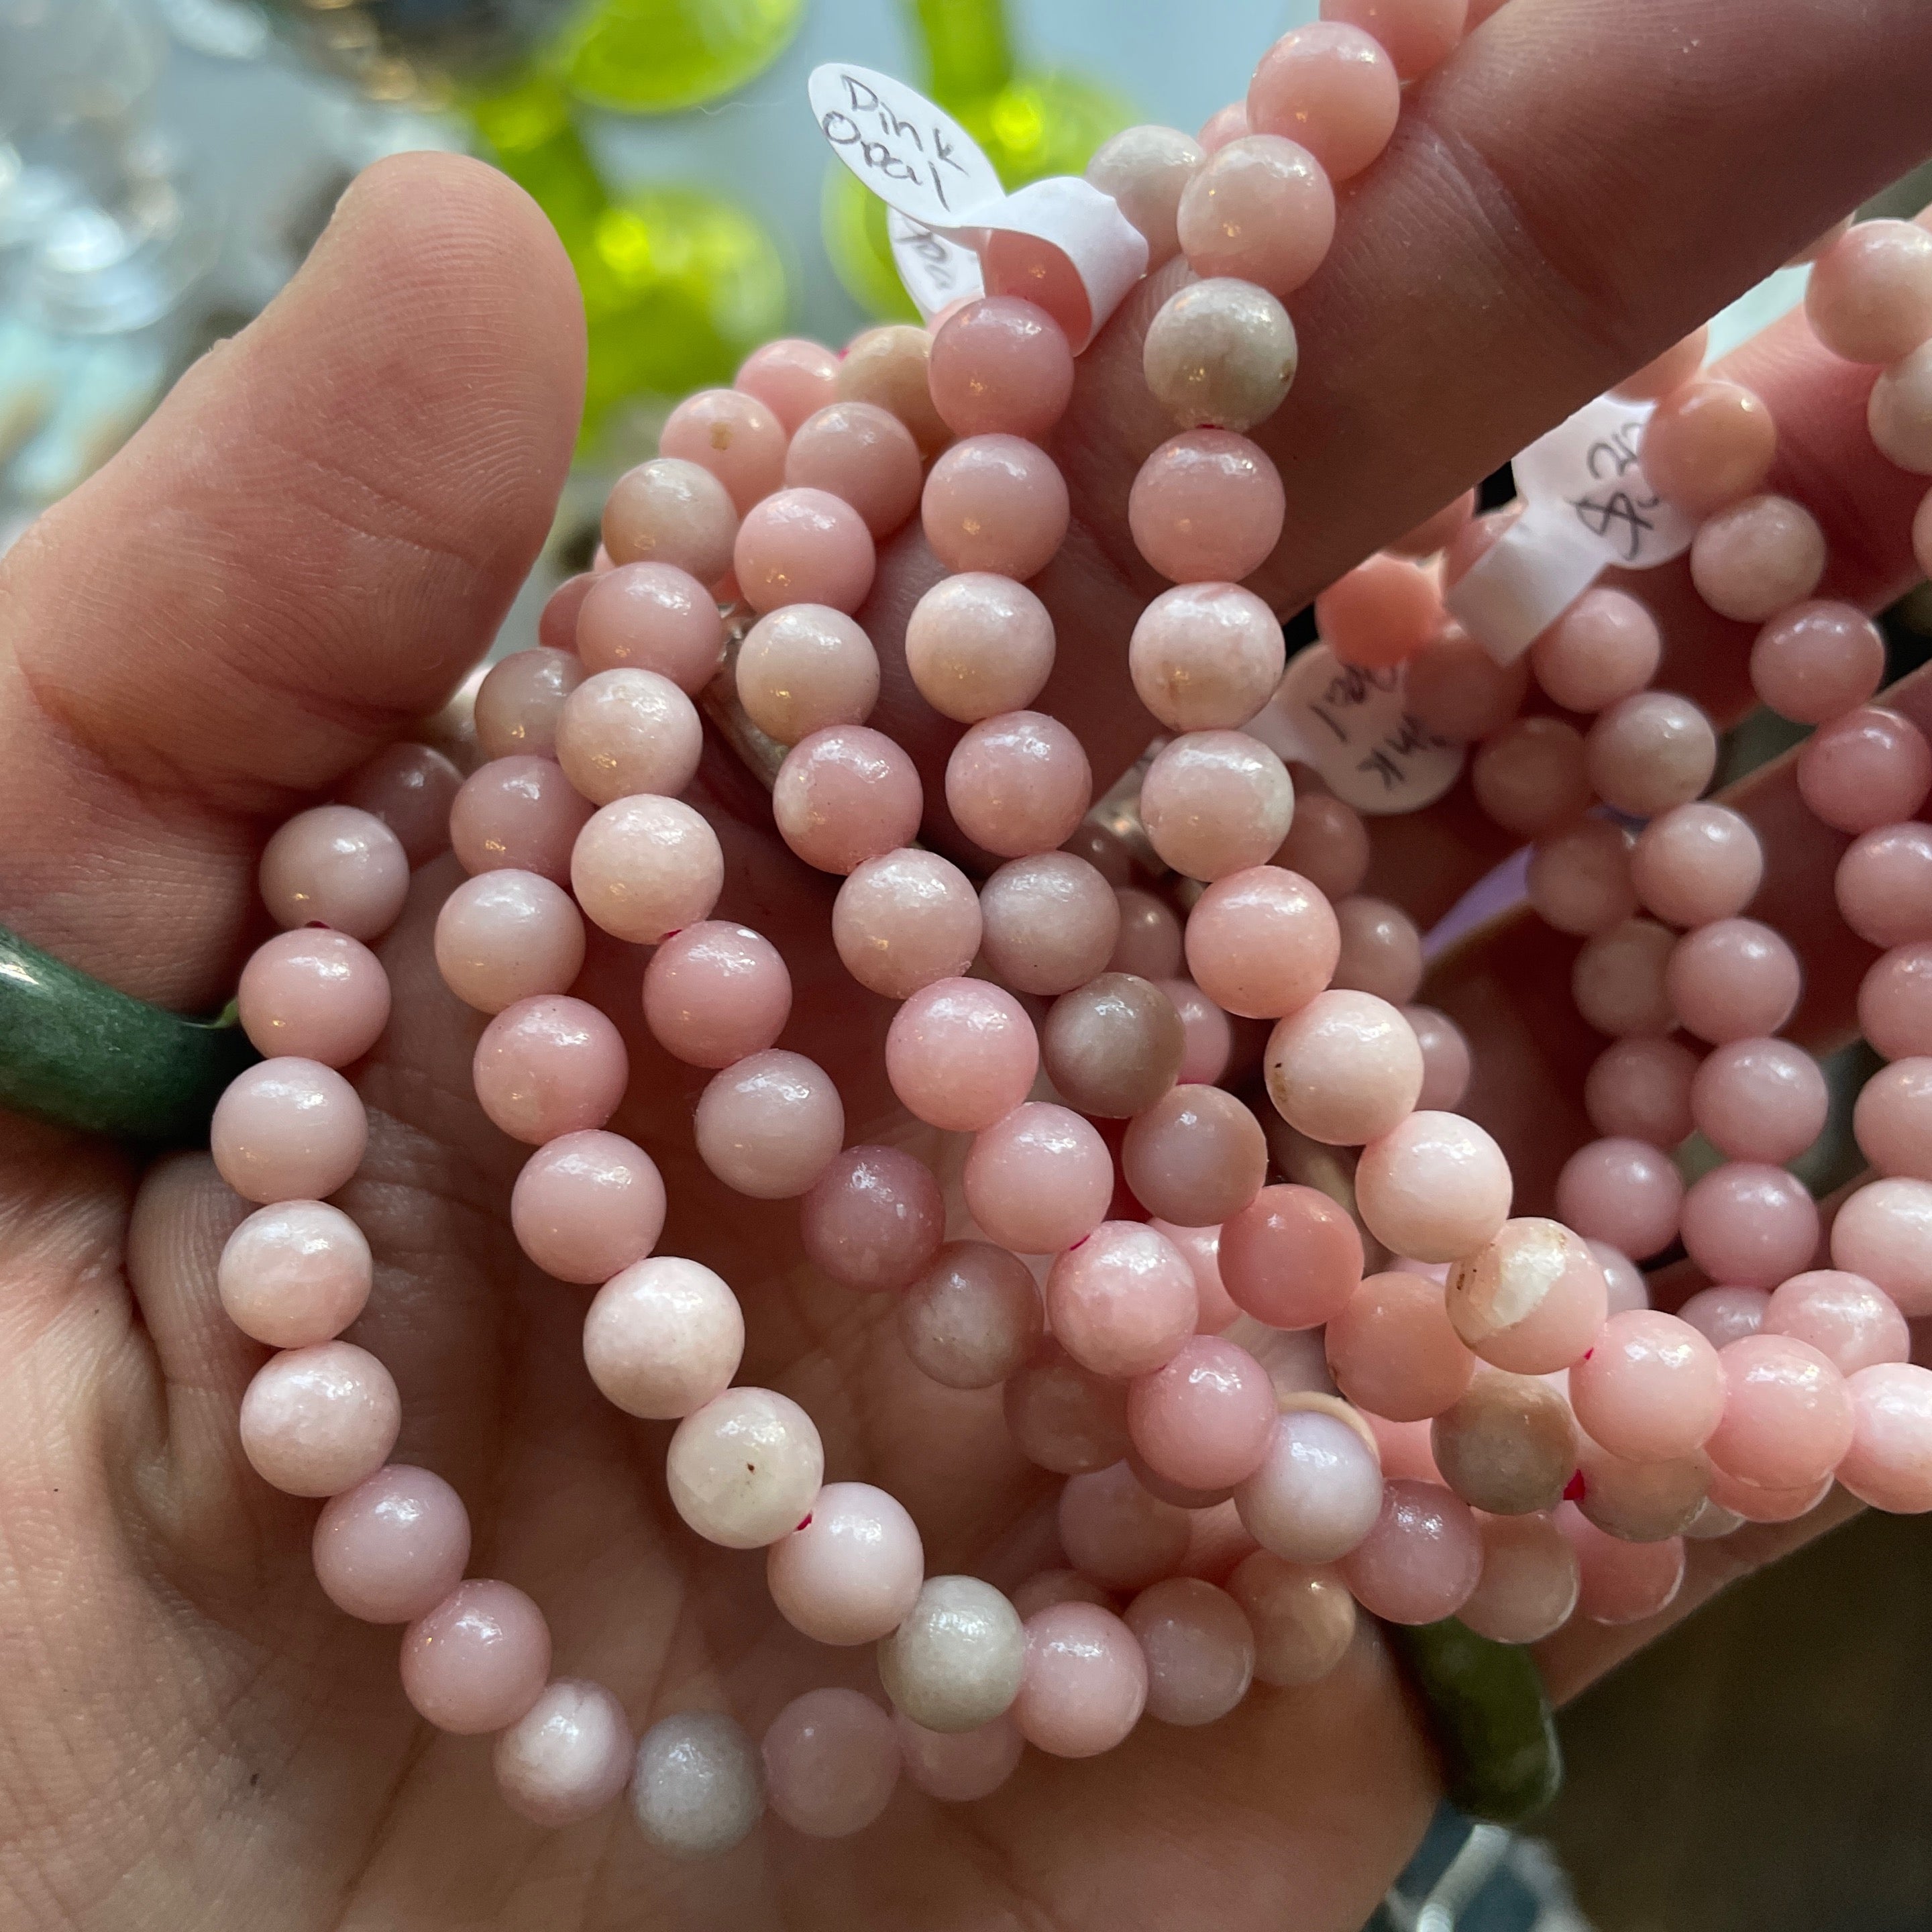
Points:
(299, 555)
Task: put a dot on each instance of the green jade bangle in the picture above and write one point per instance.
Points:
(1489, 1715)
(76, 1053)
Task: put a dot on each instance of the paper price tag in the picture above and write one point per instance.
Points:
(1587, 507)
(1355, 728)
(935, 272)
(914, 156)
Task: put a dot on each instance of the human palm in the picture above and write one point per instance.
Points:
(300, 555)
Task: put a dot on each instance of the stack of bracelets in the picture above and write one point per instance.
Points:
(1271, 1401)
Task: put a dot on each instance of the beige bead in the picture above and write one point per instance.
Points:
(1221, 352)
(955, 1663)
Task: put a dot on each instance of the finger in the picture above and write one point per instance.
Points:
(303, 548)
(1573, 190)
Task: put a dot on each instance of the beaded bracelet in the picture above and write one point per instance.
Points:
(1517, 1437)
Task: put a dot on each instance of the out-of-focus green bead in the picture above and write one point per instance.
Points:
(77, 1053)
(656, 56)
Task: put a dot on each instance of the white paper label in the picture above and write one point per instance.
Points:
(914, 156)
(935, 272)
(1355, 728)
(1587, 507)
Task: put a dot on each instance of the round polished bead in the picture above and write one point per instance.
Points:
(1618, 980)
(831, 1762)
(961, 1767)
(1697, 862)
(1381, 613)
(1650, 1389)
(1332, 88)
(1895, 1003)
(1115, 1530)
(888, 366)
(1207, 507)
(1817, 660)
(1605, 647)
(1722, 1315)
(974, 1318)
(1197, 1156)
(977, 644)
(1578, 877)
(698, 1786)
(1619, 1581)
(295, 1274)
(314, 994)
(1199, 1649)
(1650, 752)
(905, 919)
(743, 1469)
(549, 1065)
(652, 616)
(1889, 1463)
(1457, 691)
(1206, 656)
(1065, 1417)
(1203, 1419)
(1868, 768)
(1734, 979)
(1506, 1444)
(801, 669)
(1418, 33)
(1394, 1351)
(851, 1572)
(1220, 352)
(392, 1548)
(410, 788)
(791, 376)
(1892, 1120)
(1851, 1322)
(843, 795)
(288, 1129)
(507, 935)
(1346, 1069)
(1759, 1100)
(1757, 557)
(520, 813)
(1262, 943)
(1001, 366)
(1532, 1301)
(864, 456)
(1123, 1300)
(643, 868)
(1018, 783)
(995, 503)
(1216, 802)
(663, 1337)
(1708, 444)
(962, 1054)
(1436, 1187)
(1423, 1559)
(521, 701)
(1085, 1684)
(1870, 296)
(626, 731)
(715, 992)
(1531, 777)
(1530, 1581)
(1447, 1063)
(1898, 412)
(1148, 940)
(670, 511)
(315, 1421)
(477, 1661)
(1788, 1415)
(567, 1756)
(587, 1204)
(956, 1662)
(1113, 1046)
(1883, 885)
(1260, 209)
(335, 866)
(1381, 950)
(803, 547)
(768, 1124)
(1145, 169)
(1622, 1191)
(1749, 1224)
(734, 436)
(1302, 1614)
(1207, 1034)
(1291, 1258)
(1039, 1179)
(873, 1219)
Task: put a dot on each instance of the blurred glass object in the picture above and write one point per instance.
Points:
(1031, 123)
(656, 56)
(234, 30)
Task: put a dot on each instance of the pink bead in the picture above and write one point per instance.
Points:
(1085, 1683)
(1206, 656)
(1622, 1277)
(1260, 209)
(1892, 1120)
(518, 814)
(1759, 1100)
(1204, 1419)
(1147, 942)
(316, 994)
(792, 377)
(873, 1219)
(734, 436)
(520, 700)
(1604, 648)
(477, 1661)
(315, 1421)
(961, 1055)
(959, 1766)
(903, 921)
(1436, 1187)
(1708, 444)
(1530, 1581)
(1817, 661)
(1617, 980)
(627, 731)
(977, 645)
(1889, 1464)
(1723, 1315)
(1115, 1531)
(410, 788)
(1849, 1320)
(392, 1548)
(670, 511)
(1317, 1492)
(1418, 33)
(1121, 1301)
(1788, 1416)
(1381, 613)
(288, 1129)
(742, 1470)
(1224, 125)
(1650, 752)
(801, 669)
(1446, 1060)
(1623, 1191)
(1196, 1157)
(863, 455)
(1620, 1582)
(851, 1573)
(1870, 296)
(887, 366)
(1202, 1246)
(1018, 784)
(803, 547)
(295, 1274)
(768, 1124)
(1457, 690)
(1884, 885)
(844, 795)
(995, 503)
(1579, 878)
(567, 1756)
(1752, 1502)
(1732, 979)
(1214, 802)
(549, 1065)
(1532, 1301)
(1207, 507)
(1292, 1258)
(1332, 88)
(1650, 1389)
(1001, 366)
(1750, 1224)
(1696, 863)
(1199, 1648)
(587, 1205)
(652, 616)
(1345, 1069)
(715, 992)
(1208, 1037)
(1063, 1417)
(1640, 1090)
(506, 935)
(1262, 943)
(1530, 777)
(1394, 1351)
(1754, 559)
(1302, 1614)
(1039, 1179)
(973, 1319)
(335, 866)
(1423, 1559)
(1895, 1003)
